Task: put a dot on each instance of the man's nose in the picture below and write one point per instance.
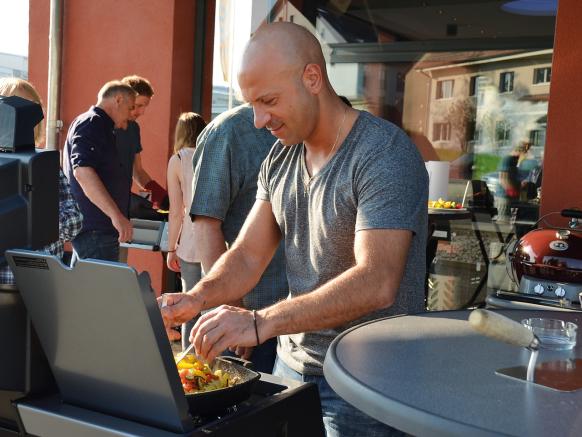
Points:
(262, 118)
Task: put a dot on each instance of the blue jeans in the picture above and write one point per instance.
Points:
(97, 245)
(340, 418)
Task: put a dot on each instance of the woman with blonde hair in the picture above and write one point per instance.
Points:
(182, 255)
(70, 217)
(13, 86)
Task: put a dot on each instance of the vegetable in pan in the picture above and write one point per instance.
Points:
(198, 377)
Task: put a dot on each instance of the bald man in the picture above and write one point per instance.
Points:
(347, 193)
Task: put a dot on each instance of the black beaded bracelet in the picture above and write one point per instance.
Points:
(256, 329)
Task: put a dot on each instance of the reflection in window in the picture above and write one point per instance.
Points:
(445, 89)
(537, 137)
(473, 85)
(502, 133)
(542, 75)
(506, 82)
(477, 88)
(441, 132)
(469, 93)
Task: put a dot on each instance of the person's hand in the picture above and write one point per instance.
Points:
(245, 352)
(123, 227)
(180, 308)
(173, 335)
(172, 262)
(158, 193)
(223, 328)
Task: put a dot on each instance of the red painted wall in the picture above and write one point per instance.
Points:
(562, 184)
(108, 39)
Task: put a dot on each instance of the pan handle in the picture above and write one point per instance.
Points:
(571, 213)
(238, 360)
(502, 328)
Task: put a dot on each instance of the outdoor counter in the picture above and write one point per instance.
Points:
(431, 374)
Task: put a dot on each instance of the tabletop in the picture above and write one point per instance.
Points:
(438, 214)
(431, 374)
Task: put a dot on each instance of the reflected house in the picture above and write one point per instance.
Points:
(483, 103)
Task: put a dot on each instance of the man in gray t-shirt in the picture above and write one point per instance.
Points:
(228, 156)
(347, 193)
(375, 180)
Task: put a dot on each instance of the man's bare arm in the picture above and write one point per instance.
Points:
(372, 283)
(97, 193)
(211, 244)
(209, 239)
(237, 271)
(369, 285)
(140, 176)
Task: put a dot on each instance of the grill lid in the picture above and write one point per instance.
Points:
(551, 254)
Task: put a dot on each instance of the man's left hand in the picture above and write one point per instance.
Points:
(223, 328)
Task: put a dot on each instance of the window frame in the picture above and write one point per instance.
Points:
(547, 75)
(440, 95)
(502, 82)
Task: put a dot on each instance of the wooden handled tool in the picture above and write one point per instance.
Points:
(503, 329)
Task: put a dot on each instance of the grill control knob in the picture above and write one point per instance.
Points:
(539, 289)
(560, 292)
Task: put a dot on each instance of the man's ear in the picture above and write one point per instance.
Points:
(312, 78)
(118, 99)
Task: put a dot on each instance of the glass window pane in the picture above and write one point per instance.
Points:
(468, 81)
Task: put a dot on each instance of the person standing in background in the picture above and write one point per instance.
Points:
(227, 162)
(70, 217)
(92, 166)
(182, 242)
(128, 143)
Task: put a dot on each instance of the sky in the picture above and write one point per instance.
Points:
(14, 30)
(14, 27)
(241, 22)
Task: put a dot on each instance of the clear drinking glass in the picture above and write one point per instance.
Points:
(554, 334)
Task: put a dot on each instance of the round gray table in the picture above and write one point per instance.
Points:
(431, 374)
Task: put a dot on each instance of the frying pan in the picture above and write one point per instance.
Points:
(215, 401)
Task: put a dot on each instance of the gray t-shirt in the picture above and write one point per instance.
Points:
(227, 160)
(376, 180)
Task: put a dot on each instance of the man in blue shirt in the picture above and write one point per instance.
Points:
(128, 142)
(92, 166)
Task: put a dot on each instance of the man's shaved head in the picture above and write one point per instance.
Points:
(290, 43)
(283, 76)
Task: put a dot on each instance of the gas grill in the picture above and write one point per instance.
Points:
(101, 331)
(84, 350)
(546, 263)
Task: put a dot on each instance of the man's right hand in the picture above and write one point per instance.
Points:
(123, 227)
(180, 308)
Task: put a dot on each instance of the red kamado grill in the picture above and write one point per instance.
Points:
(547, 264)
